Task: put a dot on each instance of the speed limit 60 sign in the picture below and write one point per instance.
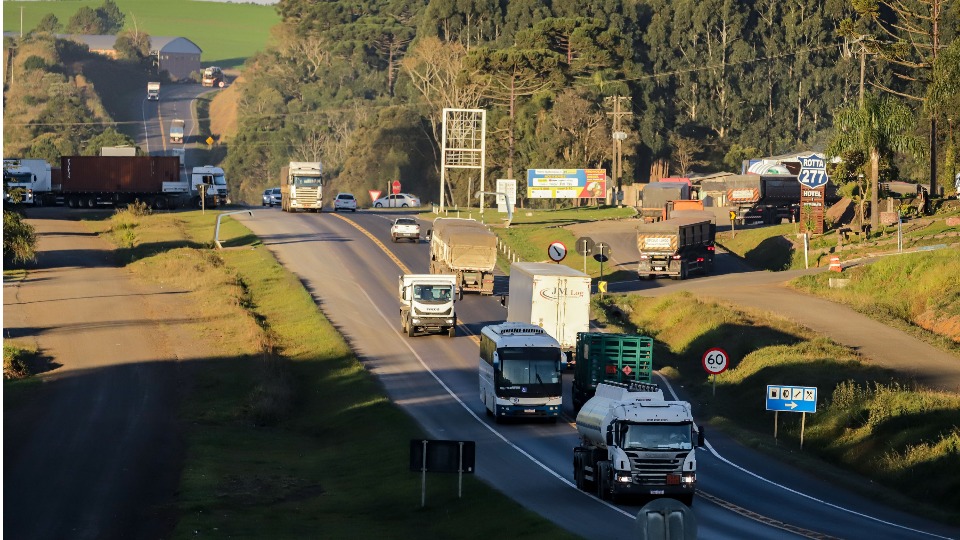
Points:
(715, 360)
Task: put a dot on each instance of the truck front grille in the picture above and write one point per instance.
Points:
(652, 468)
(308, 197)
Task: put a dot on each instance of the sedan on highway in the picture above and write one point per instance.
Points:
(397, 200)
(271, 196)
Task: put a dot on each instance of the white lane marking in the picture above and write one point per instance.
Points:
(795, 492)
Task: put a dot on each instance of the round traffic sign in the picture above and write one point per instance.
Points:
(585, 245)
(557, 251)
(715, 360)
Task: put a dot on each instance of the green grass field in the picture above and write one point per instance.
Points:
(228, 33)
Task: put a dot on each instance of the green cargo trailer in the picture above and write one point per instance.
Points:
(602, 357)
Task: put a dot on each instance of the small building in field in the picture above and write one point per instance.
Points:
(178, 56)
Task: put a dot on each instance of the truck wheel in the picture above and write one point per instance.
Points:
(411, 330)
(602, 479)
(160, 203)
(91, 202)
(452, 331)
(686, 499)
(393, 238)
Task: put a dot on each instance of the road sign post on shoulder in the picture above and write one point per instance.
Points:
(801, 399)
(585, 247)
(602, 254)
(715, 360)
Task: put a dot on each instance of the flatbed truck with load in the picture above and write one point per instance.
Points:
(676, 247)
(427, 303)
(301, 186)
(553, 297)
(466, 249)
(607, 357)
(633, 442)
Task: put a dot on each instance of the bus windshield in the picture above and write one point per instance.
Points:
(307, 181)
(531, 371)
(658, 436)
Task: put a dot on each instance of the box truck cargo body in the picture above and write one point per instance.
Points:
(553, 297)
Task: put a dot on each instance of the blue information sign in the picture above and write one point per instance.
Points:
(813, 171)
(792, 398)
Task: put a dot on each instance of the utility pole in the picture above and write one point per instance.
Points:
(618, 137)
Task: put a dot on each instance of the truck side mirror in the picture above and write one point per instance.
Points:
(700, 437)
(429, 234)
(610, 435)
(503, 300)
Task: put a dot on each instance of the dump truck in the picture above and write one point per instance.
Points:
(176, 130)
(553, 297)
(465, 248)
(302, 186)
(608, 357)
(656, 196)
(427, 304)
(153, 91)
(634, 442)
(676, 247)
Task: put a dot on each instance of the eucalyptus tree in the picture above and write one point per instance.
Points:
(877, 127)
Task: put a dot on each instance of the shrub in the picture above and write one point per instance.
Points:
(19, 239)
(34, 62)
(15, 365)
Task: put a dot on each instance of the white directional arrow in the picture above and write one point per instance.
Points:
(792, 405)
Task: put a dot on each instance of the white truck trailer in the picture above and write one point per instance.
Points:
(467, 249)
(427, 303)
(553, 297)
(302, 186)
(635, 443)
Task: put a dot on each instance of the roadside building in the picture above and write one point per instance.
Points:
(178, 56)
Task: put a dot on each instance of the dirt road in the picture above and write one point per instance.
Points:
(95, 452)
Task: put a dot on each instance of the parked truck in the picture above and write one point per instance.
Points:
(92, 181)
(176, 130)
(633, 442)
(302, 186)
(553, 297)
(676, 247)
(153, 91)
(27, 180)
(466, 249)
(603, 357)
(427, 303)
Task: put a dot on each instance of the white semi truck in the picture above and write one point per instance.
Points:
(427, 303)
(30, 177)
(465, 248)
(214, 185)
(302, 186)
(635, 443)
(553, 297)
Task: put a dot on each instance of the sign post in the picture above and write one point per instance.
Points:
(585, 247)
(715, 360)
(801, 399)
(602, 254)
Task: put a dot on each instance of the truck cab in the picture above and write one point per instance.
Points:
(303, 185)
(212, 76)
(28, 180)
(153, 91)
(427, 303)
(213, 183)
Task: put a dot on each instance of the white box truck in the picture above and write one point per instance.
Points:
(553, 297)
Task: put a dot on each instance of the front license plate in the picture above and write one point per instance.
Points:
(656, 492)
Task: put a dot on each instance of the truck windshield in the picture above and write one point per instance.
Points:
(531, 371)
(17, 178)
(657, 436)
(219, 179)
(307, 181)
(432, 294)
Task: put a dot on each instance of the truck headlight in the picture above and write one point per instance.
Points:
(624, 478)
(449, 321)
(689, 478)
(416, 321)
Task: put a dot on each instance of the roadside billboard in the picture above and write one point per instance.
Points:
(566, 183)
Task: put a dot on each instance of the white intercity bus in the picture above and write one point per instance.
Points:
(520, 367)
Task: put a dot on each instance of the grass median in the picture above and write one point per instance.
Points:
(288, 436)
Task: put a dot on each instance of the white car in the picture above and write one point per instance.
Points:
(271, 196)
(397, 200)
(405, 227)
(345, 201)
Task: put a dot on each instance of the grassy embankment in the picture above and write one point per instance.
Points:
(868, 422)
(288, 436)
(228, 33)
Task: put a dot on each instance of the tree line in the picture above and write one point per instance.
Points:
(360, 85)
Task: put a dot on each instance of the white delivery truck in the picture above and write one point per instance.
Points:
(634, 442)
(153, 91)
(553, 297)
(426, 303)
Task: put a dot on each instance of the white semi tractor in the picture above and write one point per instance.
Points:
(427, 303)
(29, 178)
(302, 186)
(633, 442)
